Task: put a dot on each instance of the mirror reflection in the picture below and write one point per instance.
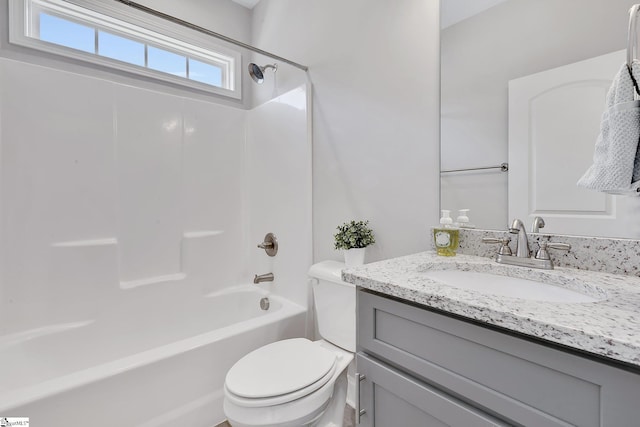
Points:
(524, 82)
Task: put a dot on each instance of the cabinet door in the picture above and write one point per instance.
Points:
(390, 398)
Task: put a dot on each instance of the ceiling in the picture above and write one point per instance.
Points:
(454, 11)
(451, 12)
(247, 3)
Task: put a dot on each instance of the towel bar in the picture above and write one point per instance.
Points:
(633, 35)
(504, 167)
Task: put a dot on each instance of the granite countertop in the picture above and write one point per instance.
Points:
(609, 327)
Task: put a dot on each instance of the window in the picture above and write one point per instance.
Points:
(101, 33)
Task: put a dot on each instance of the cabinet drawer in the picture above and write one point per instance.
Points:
(527, 383)
(390, 399)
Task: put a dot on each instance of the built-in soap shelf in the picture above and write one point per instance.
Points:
(113, 241)
(130, 284)
(108, 241)
(188, 235)
(201, 233)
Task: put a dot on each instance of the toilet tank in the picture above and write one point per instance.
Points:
(335, 304)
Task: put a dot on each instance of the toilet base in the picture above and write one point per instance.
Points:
(333, 415)
(311, 419)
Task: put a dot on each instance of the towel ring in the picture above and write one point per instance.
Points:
(633, 35)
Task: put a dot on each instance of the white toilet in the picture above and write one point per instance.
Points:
(298, 382)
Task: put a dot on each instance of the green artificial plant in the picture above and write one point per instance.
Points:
(354, 234)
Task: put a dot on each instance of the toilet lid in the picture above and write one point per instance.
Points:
(279, 368)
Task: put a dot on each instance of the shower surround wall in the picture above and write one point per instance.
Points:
(107, 187)
(278, 160)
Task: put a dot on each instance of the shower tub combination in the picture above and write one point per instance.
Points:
(146, 355)
(154, 361)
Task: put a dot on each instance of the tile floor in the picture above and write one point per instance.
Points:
(349, 418)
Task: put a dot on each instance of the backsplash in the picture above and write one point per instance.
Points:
(616, 256)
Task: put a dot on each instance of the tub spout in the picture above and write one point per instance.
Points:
(263, 278)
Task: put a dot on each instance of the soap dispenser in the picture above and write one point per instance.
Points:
(445, 236)
(462, 220)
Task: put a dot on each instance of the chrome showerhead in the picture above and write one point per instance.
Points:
(257, 72)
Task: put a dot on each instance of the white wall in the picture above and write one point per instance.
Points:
(374, 69)
(222, 16)
(479, 56)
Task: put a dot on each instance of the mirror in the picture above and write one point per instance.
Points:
(487, 44)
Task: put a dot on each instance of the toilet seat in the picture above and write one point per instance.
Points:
(279, 400)
(279, 373)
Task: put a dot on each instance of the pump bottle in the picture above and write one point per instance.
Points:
(446, 236)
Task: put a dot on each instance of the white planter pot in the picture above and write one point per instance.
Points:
(353, 257)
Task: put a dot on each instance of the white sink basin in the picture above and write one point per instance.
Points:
(508, 286)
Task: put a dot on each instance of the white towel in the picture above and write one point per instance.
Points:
(616, 160)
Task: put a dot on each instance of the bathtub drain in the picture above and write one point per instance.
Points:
(264, 303)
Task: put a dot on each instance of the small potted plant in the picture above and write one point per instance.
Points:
(353, 237)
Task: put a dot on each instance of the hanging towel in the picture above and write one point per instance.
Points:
(616, 160)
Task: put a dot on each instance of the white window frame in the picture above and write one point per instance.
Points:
(123, 21)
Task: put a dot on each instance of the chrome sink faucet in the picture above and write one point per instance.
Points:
(523, 257)
(522, 244)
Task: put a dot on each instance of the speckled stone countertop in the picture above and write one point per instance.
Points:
(607, 255)
(609, 327)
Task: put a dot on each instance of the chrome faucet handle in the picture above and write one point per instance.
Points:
(270, 244)
(537, 224)
(543, 253)
(491, 240)
(504, 242)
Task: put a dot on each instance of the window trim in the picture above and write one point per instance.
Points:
(134, 25)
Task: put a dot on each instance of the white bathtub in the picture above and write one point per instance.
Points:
(152, 361)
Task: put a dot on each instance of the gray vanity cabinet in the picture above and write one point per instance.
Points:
(422, 368)
(391, 398)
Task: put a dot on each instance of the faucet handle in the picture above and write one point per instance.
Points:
(544, 254)
(491, 240)
(270, 244)
(504, 249)
(560, 246)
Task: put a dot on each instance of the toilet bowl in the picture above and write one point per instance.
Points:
(298, 382)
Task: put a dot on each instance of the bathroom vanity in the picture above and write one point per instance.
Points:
(433, 353)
